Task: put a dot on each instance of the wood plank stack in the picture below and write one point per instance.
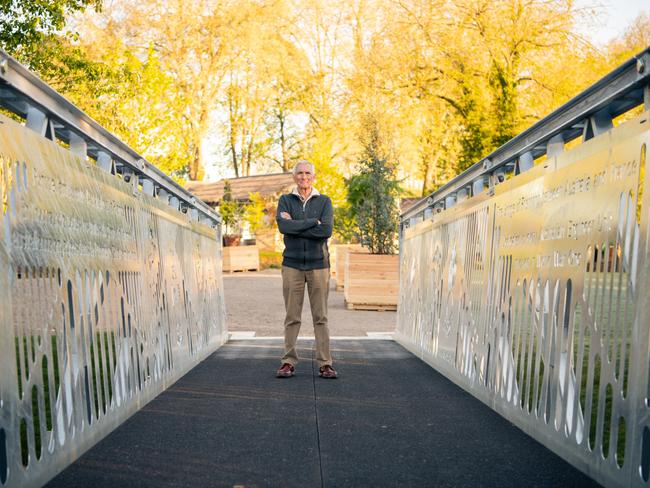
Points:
(371, 281)
(241, 258)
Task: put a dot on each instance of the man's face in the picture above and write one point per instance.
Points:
(303, 177)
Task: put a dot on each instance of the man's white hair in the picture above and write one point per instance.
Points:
(304, 161)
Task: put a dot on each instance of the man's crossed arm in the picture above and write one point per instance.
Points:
(310, 228)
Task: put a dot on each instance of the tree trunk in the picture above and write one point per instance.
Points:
(233, 135)
(233, 152)
(194, 164)
(283, 143)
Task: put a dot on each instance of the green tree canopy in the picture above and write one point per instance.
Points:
(373, 192)
(25, 23)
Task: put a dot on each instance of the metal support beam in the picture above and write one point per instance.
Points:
(478, 186)
(497, 176)
(555, 145)
(36, 121)
(147, 187)
(601, 122)
(450, 201)
(105, 162)
(78, 145)
(526, 161)
(163, 195)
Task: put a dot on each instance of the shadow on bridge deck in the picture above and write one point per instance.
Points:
(389, 420)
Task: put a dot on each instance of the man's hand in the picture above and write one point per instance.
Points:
(285, 215)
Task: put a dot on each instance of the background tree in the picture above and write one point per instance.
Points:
(231, 211)
(26, 23)
(373, 192)
(255, 212)
(252, 86)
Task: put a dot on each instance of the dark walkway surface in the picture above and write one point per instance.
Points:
(389, 420)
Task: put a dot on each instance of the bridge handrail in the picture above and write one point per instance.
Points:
(53, 116)
(586, 115)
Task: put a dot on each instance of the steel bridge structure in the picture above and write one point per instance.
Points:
(524, 281)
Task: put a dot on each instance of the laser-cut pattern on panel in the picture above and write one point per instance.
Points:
(107, 297)
(535, 300)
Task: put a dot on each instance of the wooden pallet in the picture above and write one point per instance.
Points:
(241, 258)
(370, 306)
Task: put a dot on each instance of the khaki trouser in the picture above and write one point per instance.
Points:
(293, 287)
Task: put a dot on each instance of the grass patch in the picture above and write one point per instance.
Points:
(51, 370)
(270, 259)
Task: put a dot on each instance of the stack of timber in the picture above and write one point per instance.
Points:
(337, 261)
(241, 258)
(371, 281)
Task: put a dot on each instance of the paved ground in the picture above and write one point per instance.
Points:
(388, 421)
(254, 303)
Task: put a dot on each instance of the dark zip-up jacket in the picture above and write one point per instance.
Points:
(305, 240)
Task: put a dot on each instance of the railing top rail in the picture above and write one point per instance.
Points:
(26, 95)
(586, 115)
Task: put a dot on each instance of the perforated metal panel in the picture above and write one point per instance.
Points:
(535, 300)
(107, 296)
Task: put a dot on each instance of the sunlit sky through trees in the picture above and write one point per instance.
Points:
(220, 88)
(612, 17)
(602, 22)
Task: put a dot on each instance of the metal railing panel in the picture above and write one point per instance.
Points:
(107, 296)
(535, 300)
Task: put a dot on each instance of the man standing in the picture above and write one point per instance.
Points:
(305, 217)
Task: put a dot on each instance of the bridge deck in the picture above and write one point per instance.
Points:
(389, 420)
